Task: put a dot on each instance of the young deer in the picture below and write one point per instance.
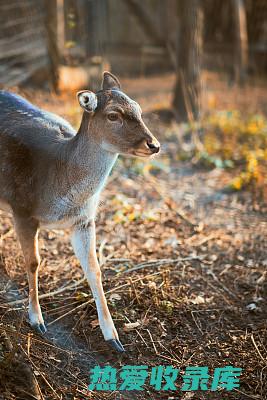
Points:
(51, 176)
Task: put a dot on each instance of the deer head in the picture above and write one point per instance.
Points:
(115, 120)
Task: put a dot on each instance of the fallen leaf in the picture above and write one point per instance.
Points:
(81, 296)
(114, 297)
(197, 300)
(94, 323)
(251, 307)
(131, 326)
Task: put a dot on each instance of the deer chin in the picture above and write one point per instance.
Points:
(142, 154)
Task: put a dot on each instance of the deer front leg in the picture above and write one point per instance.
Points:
(84, 245)
(27, 232)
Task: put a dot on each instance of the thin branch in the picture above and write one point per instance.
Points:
(256, 347)
(92, 300)
(45, 295)
(158, 263)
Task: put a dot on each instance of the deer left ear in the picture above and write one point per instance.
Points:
(87, 100)
(110, 81)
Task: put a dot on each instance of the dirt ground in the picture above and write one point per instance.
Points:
(181, 257)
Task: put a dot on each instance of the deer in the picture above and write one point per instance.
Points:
(51, 177)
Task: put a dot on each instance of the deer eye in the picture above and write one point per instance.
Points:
(113, 116)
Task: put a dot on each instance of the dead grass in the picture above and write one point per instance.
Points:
(180, 257)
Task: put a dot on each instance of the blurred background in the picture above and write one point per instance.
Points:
(133, 37)
(183, 60)
(182, 236)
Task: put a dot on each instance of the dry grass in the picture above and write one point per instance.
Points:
(180, 257)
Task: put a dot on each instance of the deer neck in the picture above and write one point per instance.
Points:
(88, 163)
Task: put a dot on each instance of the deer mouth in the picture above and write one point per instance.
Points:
(143, 153)
(149, 150)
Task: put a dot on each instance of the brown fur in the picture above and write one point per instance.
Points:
(52, 176)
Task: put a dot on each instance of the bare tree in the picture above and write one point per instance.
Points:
(187, 92)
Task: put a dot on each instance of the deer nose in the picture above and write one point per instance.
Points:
(154, 147)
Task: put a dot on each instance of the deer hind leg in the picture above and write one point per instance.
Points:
(27, 232)
(83, 241)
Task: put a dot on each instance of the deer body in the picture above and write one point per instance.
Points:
(52, 177)
(38, 151)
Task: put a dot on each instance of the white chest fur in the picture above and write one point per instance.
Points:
(74, 215)
(81, 201)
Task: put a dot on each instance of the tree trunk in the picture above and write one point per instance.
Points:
(51, 31)
(241, 41)
(187, 92)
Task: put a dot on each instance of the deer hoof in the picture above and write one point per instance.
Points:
(39, 328)
(116, 345)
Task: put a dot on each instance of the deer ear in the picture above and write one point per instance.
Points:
(87, 100)
(110, 81)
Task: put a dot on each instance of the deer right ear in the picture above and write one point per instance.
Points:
(87, 100)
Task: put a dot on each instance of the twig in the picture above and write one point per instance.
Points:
(209, 272)
(143, 340)
(45, 295)
(152, 263)
(61, 308)
(109, 260)
(192, 241)
(168, 358)
(197, 324)
(250, 396)
(138, 333)
(152, 341)
(256, 347)
(11, 331)
(67, 372)
(42, 375)
(173, 358)
(71, 311)
(61, 289)
(134, 290)
(92, 300)
(164, 261)
(170, 203)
